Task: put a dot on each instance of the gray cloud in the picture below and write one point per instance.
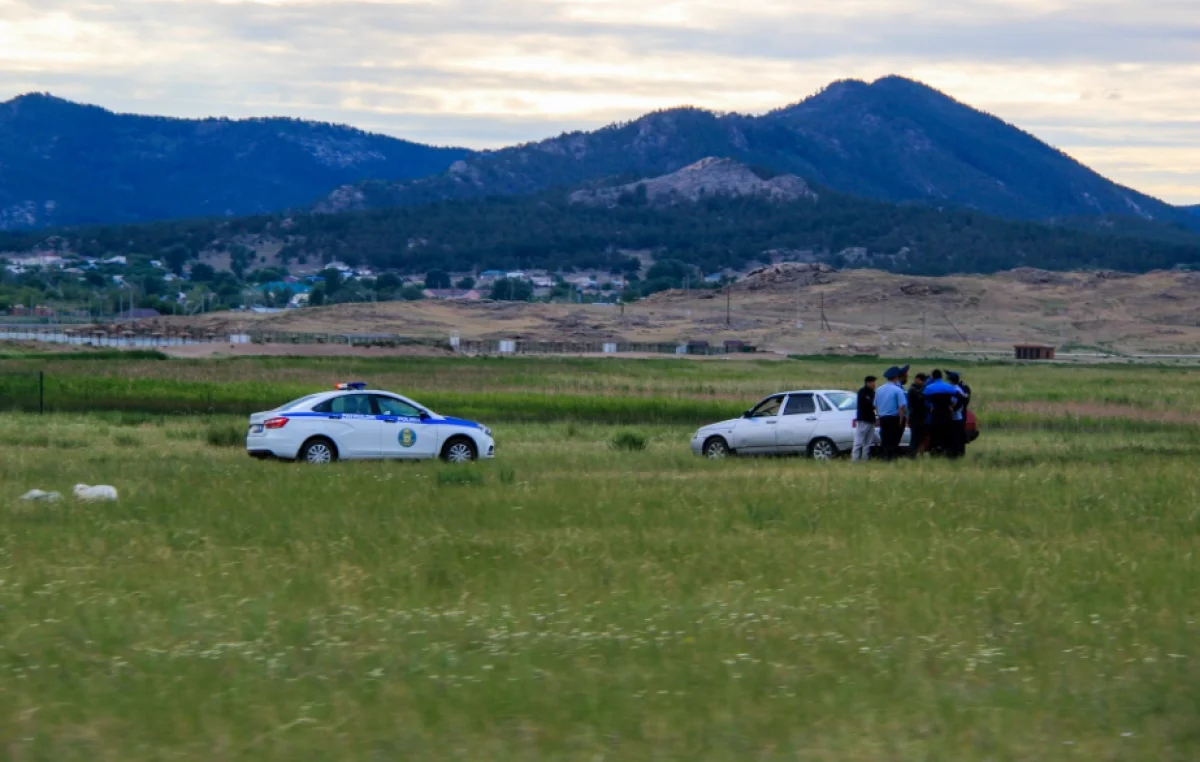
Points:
(1098, 78)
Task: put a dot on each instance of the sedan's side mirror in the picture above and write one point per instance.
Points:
(747, 413)
(424, 416)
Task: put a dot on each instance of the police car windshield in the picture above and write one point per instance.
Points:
(297, 403)
(843, 401)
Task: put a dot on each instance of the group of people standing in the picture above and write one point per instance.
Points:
(934, 407)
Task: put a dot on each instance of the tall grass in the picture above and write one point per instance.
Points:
(628, 441)
(1038, 600)
(226, 434)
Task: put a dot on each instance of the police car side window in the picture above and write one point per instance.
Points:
(390, 406)
(349, 404)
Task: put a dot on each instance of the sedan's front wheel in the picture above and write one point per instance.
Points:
(822, 449)
(716, 448)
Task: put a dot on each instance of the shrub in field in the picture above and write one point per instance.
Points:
(629, 441)
(130, 418)
(762, 516)
(127, 440)
(460, 477)
(226, 435)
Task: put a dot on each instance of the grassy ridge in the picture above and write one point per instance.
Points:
(590, 390)
(173, 397)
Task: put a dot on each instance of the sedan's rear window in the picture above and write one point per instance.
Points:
(843, 401)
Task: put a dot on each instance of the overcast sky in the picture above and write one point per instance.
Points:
(1115, 83)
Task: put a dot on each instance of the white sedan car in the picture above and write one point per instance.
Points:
(819, 424)
(354, 423)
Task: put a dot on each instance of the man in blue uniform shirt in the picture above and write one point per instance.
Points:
(891, 403)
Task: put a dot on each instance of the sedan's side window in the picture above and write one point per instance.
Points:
(392, 406)
(825, 406)
(768, 408)
(349, 404)
(800, 404)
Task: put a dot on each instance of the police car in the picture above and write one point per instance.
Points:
(355, 423)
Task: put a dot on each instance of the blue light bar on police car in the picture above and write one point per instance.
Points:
(356, 385)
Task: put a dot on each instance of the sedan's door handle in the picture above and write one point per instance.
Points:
(811, 419)
(390, 420)
(335, 418)
(772, 423)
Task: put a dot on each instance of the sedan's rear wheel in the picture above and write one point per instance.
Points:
(716, 448)
(822, 449)
(318, 452)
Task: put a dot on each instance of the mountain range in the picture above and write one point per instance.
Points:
(714, 215)
(63, 163)
(891, 140)
(890, 174)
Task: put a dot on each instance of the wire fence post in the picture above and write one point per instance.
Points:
(41, 392)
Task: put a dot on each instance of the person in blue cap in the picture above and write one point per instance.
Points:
(891, 404)
(943, 399)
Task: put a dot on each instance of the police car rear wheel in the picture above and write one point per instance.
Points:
(318, 452)
(459, 451)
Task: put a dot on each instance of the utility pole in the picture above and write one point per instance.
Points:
(728, 306)
(824, 321)
(952, 325)
(923, 347)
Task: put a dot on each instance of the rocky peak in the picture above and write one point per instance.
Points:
(708, 177)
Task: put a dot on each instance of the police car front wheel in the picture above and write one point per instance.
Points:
(459, 450)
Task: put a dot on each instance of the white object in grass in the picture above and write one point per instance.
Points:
(94, 494)
(37, 494)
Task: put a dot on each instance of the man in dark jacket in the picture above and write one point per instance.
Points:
(864, 421)
(960, 412)
(918, 414)
(942, 399)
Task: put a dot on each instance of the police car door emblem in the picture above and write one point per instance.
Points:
(408, 437)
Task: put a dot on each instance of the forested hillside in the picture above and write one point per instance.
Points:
(63, 163)
(547, 231)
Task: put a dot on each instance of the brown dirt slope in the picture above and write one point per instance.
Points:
(780, 308)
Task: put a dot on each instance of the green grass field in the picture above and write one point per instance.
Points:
(578, 600)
